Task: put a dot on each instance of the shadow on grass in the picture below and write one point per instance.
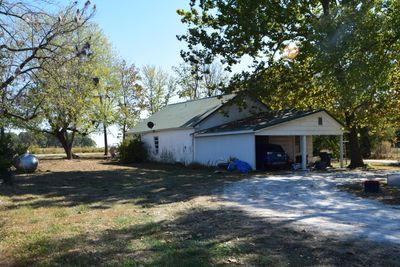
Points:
(145, 184)
(204, 238)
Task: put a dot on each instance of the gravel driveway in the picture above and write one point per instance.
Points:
(310, 201)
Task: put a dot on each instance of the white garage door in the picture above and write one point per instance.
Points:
(211, 150)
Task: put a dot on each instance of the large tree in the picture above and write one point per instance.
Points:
(31, 35)
(197, 80)
(106, 81)
(130, 97)
(158, 88)
(340, 55)
(69, 94)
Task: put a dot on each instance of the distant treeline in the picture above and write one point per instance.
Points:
(43, 140)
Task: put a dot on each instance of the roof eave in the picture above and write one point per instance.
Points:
(222, 133)
(160, 130)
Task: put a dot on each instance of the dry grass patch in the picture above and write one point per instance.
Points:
(60, 150)
(388, 194)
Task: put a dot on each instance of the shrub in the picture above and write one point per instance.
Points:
(323, 143)
(132, 151)
(5, 165)
(8, 150)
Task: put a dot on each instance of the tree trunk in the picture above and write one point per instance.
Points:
(105, 140)
(2, 134)
(123, 132)
(68, 151)
(356, 157)
(65, 144)
(355, 151)
(325, 6)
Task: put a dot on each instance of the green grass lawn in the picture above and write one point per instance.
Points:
(97, 213)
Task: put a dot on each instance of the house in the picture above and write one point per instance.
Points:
(212, 130)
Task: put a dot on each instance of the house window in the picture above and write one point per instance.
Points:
(320, 121)
(156, 144)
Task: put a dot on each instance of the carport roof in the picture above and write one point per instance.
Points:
(261, 121)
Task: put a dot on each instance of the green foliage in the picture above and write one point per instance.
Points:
(130, 97)
(70, 100)
(104, 76)
(200, 80)
(330, 143)
(158, 88)
(6, 156)
(29, 138)
(132, 151)
(8, 150)
(83, 141)
(397, 138)
(42, 140)
(33, 34)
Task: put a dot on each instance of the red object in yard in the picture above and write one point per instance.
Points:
(371, 186)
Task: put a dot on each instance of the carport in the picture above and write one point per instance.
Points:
(292, 129)
(298, 129)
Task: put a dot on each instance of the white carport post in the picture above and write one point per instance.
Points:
(341, 151)
(303, 149)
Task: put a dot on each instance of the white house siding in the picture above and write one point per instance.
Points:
(234, 111)
(306, 126)
(211, 150)
(174, 145)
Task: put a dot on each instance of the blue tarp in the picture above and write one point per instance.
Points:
(239, 165)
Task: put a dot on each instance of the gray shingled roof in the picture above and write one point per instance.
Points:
(182, 115)
(260, 121)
